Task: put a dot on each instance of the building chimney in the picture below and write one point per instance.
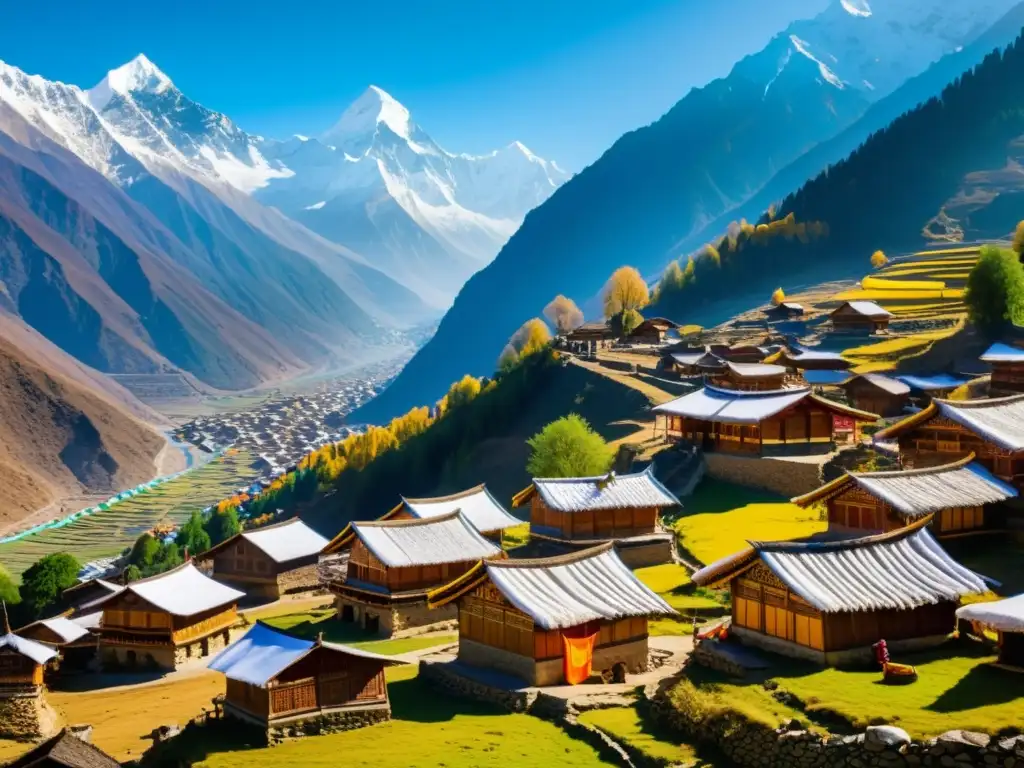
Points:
(83, 732)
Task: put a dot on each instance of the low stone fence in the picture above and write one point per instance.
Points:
(755, 745)
(786, 478)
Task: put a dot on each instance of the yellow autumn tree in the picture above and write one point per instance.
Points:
(1018, 240)
(461, 392)
(712, 254)
(563, 314)
(778, 296)
(532, 336)
(879, 259)
(625, 290)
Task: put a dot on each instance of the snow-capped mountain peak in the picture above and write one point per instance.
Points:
(857, 8)
(363, 118)
(139, 74)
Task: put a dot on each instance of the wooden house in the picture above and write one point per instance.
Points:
(786, 422)
(518, 616)
(652, 330)
(85, 592)
(752, 377)
(829, 599)
(392, 564)
(804, 360)
(1007, 369)
(165, 620)
(476, 504)
(787, 310)
(746, 353)
(591, 334)
(692, 363)
(22, 702)
(992, 429)
(860, 317)
(75, 641)
(876, 393)
(65, 750)
(1006, 618)
(579, 512)
(289, 685)
(959, 496)
(271, 561)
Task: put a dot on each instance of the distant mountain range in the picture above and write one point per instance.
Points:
(142, 232)
(671, 186)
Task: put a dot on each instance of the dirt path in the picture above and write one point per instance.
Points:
(655, 395)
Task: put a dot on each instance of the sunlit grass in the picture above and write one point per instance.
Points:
(882, 284)
(625, 725)
(858, 294)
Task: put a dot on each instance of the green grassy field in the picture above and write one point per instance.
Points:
(625, 725)
(310, 623)
(108, 532)
(428, 729)
(720, 517)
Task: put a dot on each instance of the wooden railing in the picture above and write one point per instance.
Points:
(299, 696)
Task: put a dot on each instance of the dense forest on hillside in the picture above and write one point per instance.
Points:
(882, 195)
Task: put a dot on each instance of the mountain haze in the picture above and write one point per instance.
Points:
(660, 185)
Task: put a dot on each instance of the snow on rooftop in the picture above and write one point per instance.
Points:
(286, 541)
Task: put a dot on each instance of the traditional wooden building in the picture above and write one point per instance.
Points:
(581, 512)
(289, 685)
(960, 497)
(22, 664)
(861, 317)
(165, 620)
(829, 599)
(85, 592)
(992, 429)
(653, 330)
(476, 504)
(804, 359)
(65, 750)
(392, 565)
(876, 393)
(1006, 618)
(692, 363)
(1007, 369)
(76, 643)
(553, 620)
(594, 334)
(751, 377)
(746, 353)
(784, 422)
(787, 310)
(271, 561)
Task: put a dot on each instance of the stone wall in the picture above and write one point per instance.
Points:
(784, 477)
(755, 745)
(301, 579)
(322, 723)
(26, 717)
(400, 620)
(641, 555)
(442, 676)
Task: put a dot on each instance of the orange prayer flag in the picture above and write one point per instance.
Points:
(579, 656)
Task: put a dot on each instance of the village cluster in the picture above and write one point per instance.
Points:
(280, 431)
(567, 605)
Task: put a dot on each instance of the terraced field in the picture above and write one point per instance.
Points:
(108, 532)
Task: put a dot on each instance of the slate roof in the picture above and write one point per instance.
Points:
(1002, 353)
(565, 591)
(1004, 615)
(263, 653)
(999, 419)
(183, 591)
(38, 652)
(67, 750)
(450, 538)
(611, 491)
(919, 492)
(900, 570)
(283, 542)
(476, 504)
(735, 407)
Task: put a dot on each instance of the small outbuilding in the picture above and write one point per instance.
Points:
(76, 643)
(652, 330)
(291, 685)
(476, 504)
(89, 591)
(581, 512)
(805, 359)
(553, 620)
(751, 377)
(829, 599)
(959, 497)
(65, 750)
(1007, 369)
(692, 363)
(876, 393)
(22, 699)
(787, 310)
(271, 561)
(860, 317)
(1006, 617)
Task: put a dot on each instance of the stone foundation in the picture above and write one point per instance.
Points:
(133, 657)
(397, 620)
(754, 745)
(643, 554)
(442, 676)
(784, 477)
(848, 657)
(301, 579)
(26, 717)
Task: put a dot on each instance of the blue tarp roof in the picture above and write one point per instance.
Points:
(826, 378)
(1000, 352)
(935, 381)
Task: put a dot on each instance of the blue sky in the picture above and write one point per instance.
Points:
(565, 78)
